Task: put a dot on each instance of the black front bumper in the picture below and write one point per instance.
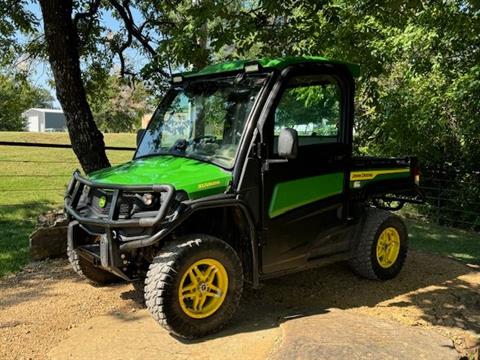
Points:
(113, 229)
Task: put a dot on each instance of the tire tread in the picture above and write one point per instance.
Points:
(362, 262)
(88, 271)
(161, 277)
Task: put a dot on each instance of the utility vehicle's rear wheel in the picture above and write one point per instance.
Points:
(194, 285)
(88, 271)
(382, 247)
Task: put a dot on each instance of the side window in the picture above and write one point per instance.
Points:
(312, 106)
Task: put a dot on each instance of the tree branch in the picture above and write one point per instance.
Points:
(125, 45)
(93, 9)
(90, 14)
(126, 15)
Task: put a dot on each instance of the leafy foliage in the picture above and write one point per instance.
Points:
(16, 96)
(418, 93)
(316, 107)
(15, 18)
(117, 106)
(419, 63)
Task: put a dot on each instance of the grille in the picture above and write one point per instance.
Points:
(126, 202)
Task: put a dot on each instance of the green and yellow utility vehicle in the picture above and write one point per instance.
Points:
(244, 173)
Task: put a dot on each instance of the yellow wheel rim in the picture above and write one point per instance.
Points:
(388, 247)
(203, 288)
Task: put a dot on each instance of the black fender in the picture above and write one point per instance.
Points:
(188, 208)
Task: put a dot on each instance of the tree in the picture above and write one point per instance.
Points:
(75, 38)
(62, 44)
(118, 105)
(419, 60)
(68, 37)
(17, 95)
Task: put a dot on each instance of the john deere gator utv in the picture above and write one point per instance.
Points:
(244, 173)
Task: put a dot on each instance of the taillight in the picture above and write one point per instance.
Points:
(416, 175)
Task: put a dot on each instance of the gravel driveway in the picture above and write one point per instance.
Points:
(433, 307)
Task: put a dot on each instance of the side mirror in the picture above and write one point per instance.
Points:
(140, 135)
(288, 143)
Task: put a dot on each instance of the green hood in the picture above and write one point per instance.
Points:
(196, 178)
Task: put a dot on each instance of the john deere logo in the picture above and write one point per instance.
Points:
(102, 202)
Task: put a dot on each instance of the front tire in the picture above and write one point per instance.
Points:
(88, 271)
(382, 246)
(194, 286)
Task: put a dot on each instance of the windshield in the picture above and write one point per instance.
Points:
(203, 119)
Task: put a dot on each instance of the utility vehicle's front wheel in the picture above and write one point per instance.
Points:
(89, 271)
(382, 247)
(194, 285)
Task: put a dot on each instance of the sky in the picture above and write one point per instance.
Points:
(41, 75)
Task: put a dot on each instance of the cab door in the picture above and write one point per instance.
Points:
(304, 198)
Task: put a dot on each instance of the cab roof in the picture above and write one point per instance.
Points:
(269, 63)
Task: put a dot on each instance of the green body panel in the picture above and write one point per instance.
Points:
(196, 178)
(269, 63)
(295, 193)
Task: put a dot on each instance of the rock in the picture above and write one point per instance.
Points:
(341, 335)
(49, 240)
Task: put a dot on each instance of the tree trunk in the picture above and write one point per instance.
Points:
(62, 43)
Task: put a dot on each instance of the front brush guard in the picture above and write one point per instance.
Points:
(106, 254)
(78, 183)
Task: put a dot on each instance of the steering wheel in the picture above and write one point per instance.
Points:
(206, 139)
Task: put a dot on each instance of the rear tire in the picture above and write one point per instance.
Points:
(89, 271)
(195, 267)
(382, 246)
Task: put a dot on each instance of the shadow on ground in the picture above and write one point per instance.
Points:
(35, 282)
(433, 288)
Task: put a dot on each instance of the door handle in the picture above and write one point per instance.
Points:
(268, 162)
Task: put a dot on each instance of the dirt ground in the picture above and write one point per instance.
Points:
(46, 305)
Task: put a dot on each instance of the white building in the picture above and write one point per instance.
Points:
(40, 120)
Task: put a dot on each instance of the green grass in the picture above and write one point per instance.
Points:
(33, 181)
(459, 244)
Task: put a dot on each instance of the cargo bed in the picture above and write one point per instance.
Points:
(385, 180)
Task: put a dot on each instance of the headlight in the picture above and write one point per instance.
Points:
(147, 199)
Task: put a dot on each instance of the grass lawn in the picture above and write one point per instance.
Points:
(32, 181)
(459, 244)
